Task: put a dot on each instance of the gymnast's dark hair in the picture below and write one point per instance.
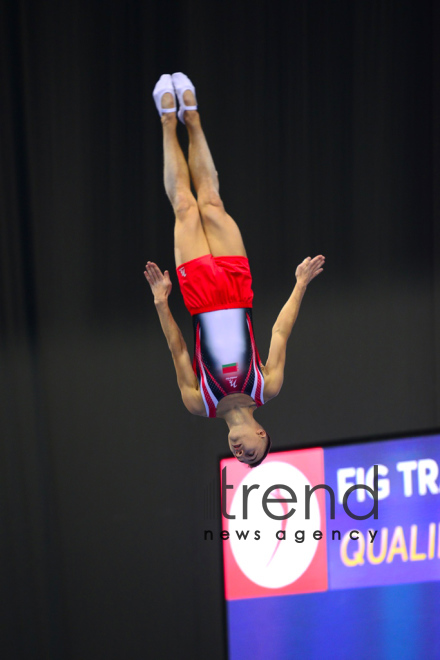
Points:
(267, 450)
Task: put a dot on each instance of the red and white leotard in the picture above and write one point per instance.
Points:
(226, 359)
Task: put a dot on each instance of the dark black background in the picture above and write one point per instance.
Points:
(323, 121)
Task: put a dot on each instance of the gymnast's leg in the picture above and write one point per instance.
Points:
(189, 238)
(221, 230)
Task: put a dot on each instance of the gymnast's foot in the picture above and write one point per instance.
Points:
(186, 95)
(164, 97)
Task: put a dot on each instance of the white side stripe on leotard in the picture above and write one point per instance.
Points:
(204, 379)
(258, 376)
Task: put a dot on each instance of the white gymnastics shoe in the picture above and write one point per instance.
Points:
(181, 83)
(164, 86)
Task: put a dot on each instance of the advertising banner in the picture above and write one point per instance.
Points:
(318, 543)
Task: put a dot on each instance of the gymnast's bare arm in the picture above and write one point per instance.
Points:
(160, 284)
(274, 368)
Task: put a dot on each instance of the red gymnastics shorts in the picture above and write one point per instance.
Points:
(209, 283)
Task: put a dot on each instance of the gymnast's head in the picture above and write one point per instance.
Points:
(249, 443)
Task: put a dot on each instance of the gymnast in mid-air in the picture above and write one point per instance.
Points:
(226, 378)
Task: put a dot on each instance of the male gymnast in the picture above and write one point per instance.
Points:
(226, 377)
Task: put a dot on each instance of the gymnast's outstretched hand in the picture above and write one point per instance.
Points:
(159, 282)
(309, 269)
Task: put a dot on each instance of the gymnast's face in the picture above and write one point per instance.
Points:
(248, 442)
